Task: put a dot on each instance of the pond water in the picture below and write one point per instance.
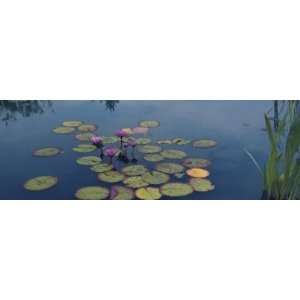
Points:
(234, 125)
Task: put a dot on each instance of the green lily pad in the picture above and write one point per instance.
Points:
(180, 141)
(63, 130)
(169, 168)
(155, 177)
(201, 185)
(72, 123)
(121, 193)
(88, 160)
(149, 149)
(85, 148)
(173, 154)
(92, 193)
(40, 183)
(148, 193)
(46, 152)
(153, 157)
(176, 189)
(204, 143)
(196, 163)
(168, 142)
(84, 137)
(143, 141)
(135, 182)
(111, 176)
(134, 170)
(109, 140)
(149, 124)
(102, 167)
(87, 127)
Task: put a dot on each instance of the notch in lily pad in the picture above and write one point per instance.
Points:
(47, 152)
(201, 185)
(102, 167)
(119, 192)
(111, 176)
(88, 160)
(176, 189)
(148, 193)
(173, 154)
(196, 163)
(40, 183)
(92, 193)
(180, 141)
(155, 177)
(135, 182)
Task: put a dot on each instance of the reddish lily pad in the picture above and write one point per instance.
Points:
(84, 137)
(63, 130)
(121, 193)
(176, 189)
(149, 124)
(111, 176)
(204, 143)
(88, 160)
(87, 127)
(201, 185)
(169, 168)
(85, 148)
(46, 152)
(173, 154)
(40, 183)
(196, 163)
(72, 123)
(135, 182)
(148, 193)
(102, 167)
(92, 193)
(155, 177)
(149, 149)
(153, 157)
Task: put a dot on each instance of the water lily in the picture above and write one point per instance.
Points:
(121, 133)
(98, 142)
(111, 152)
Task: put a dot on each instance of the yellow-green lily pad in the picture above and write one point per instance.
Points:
(204, 143)
(40, 183)
(92, 193)
(135, 182)
(155, 177)
(88, 160)
(87, 127)
(173, 154)
(149, 149)
(143, 141)
(176, 189)
(109, 140)
(148, 193)
(196, 163)
(180, 141)
(169, 168)
(149, 124)
(153, 157)
(167, 142)
(85, 148)
(63, 130)
(72, 123)
(84, 137)
(134, 170)
(121, 193)
(111, 176)
(201, 185)
(46, 152)
(102, 167)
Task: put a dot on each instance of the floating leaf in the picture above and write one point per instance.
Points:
(121, 193)
(201, 185)
(204, 143)
(40, 183)
(198, 173)
(149, 149)
(196, 163)
(88, 160)
(148, 193)
(85, 148)
(45, 152)
(168, 142)
(179, 175)
(173, 154)
(102, 167)
(153, 157)
(63, 130)
(109, 140)
(149, 124)
(180, 141)
(92, 193)
(135, 182)
(134, 170)
(72, 123)
(111, 176)
(169, 168)
(176, 189)
(143, 141)
(84, 137)
(155, 177)
(87, 127)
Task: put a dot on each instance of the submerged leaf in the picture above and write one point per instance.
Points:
(153, 157)
(198, 173)
(40, 183)
(84, 137)
(201, 185)
(92, 193)
(72, 123)
(135, 182)
(169, 168)
(111, 176)
(63, 130)
(204, 143)
(88, 160)
(87, 127)
(173, 154)
(155, 177)
(149, 124)
(121, 193)
(85, 148)
(149, 149)
(134, 170)
(102, 167)
(176, 189)
(46, 152)
(148, 193)
(196, 163)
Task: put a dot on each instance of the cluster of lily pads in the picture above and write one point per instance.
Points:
(137, 180)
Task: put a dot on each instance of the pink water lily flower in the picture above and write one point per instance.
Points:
(96, 140)
(121, 133)
(111, 152)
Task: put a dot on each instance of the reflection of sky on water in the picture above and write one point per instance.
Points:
(234, 124)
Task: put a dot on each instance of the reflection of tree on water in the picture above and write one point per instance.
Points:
(110, 104)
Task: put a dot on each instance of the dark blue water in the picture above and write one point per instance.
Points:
(235, 125)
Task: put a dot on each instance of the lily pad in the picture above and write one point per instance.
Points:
(149, 149)
(169, 168)
(180, 141)
(40, 183)
(155, 177)
(197, 173)
(92, 193)
(121, 193)
(148, 193)
(46, 152)
(176, 189)
(167, 142)
(143, 141)
(173, 154)
(196, 163)
(87, 127)
(111, 176)
(85, 148)
(72, 123)
(134, 170)
(63, 130)
(153, 157)
(88, 160)
(149, 124)
(109, 140)
(135, 182)
(84, 137)
(201, 185)
(204, 143)
(102, 167)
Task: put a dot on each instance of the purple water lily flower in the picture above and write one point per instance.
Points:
(96, 140)
(111, 152)
(121, 133)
